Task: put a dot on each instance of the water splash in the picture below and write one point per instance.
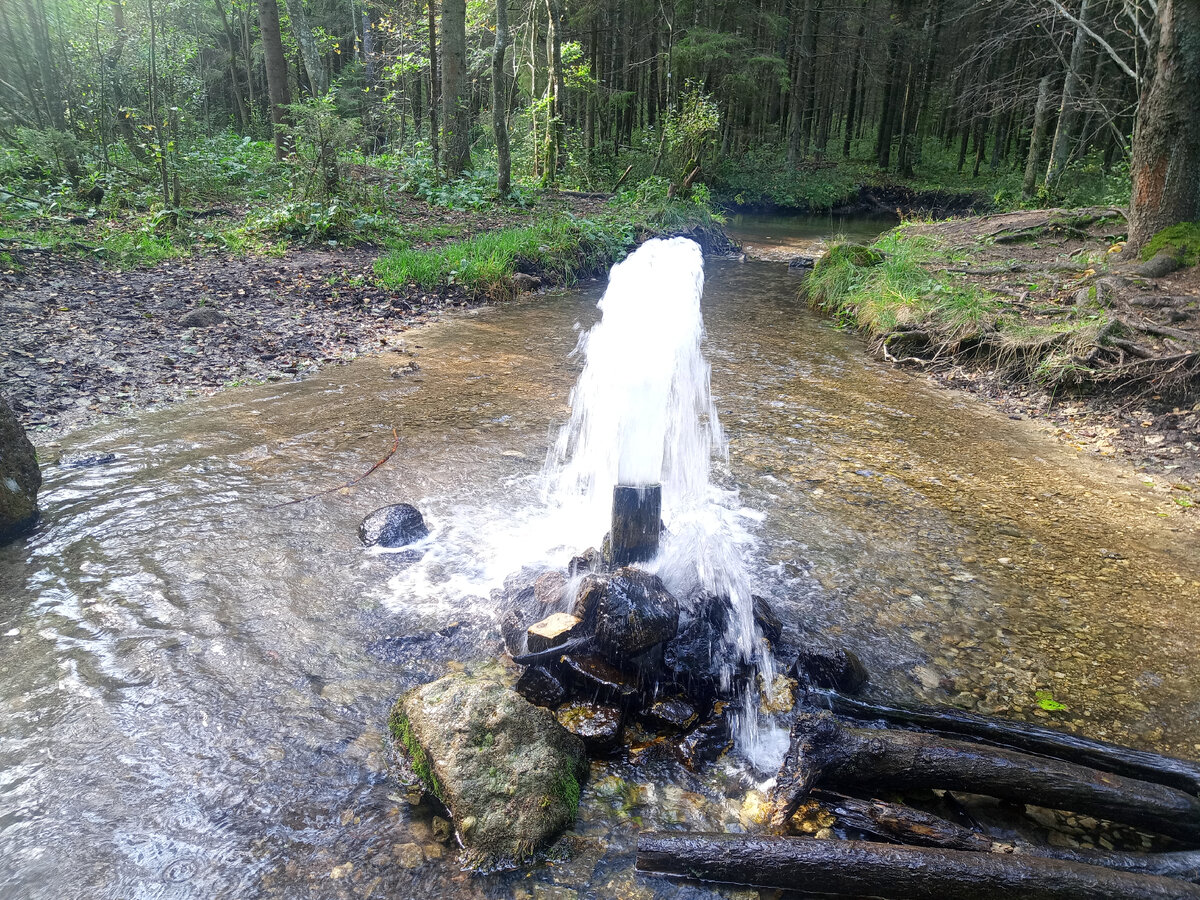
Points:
(642, 413)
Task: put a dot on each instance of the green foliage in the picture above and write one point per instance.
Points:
(322, 137)
(1182, 241)
(692, 130)
(306, 220)
(1045, 699)
(762, 176)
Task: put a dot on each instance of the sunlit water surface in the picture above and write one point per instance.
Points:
(194, 682)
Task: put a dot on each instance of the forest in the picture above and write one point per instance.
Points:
(167, 108)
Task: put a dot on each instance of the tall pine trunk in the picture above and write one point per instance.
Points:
(310, 53)
(277, 74)
(499, 107)
(457, 113)
(1033, 162)
(1166, 142)
(1068, 111)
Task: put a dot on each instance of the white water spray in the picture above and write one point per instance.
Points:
(642, 413)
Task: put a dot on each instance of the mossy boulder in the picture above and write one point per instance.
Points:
(20, 477)
(858, 255)
(507, 771)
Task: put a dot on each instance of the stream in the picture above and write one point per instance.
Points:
(194, 679)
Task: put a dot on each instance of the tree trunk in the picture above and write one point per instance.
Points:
(1166, 142)
(499, 107)
(314, 66)
(1033, 162)
(556, 91)
(1068, 111)
(240, 106)
(456, 112)
(434, 85)
(277, 73)
(866, 869)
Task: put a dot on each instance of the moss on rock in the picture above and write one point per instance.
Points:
(507, 771)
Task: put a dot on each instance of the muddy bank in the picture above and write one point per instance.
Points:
(85, 340)
(1052, 321)
(883, 200)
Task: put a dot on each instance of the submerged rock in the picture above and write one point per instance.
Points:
(20, 477)
(598, 725)
(393, 526)
(801, 263)
(506, 770)
(832, 668)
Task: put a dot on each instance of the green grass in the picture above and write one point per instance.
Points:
(886, 289)
(559, 249)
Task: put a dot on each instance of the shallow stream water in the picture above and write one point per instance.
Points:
(194, 681)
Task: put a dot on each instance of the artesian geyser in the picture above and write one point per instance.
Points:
(643, 421)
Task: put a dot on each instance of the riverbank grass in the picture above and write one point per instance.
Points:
(559, 249)
(903, 293)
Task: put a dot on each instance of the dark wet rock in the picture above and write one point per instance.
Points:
(593, 676)
(633, 614)
(541, 687)
(20, 477)
(801, 263)
(513, 629)
(393, 526)
(587, 561)
(832, 668)
(672, 713)
(522, 282)
(767, 621)
(553, 631)
(598, 725)
(442, 830)
(202, 317)
(506, 770)
(86, 460)
(587, 599)
(707, 743)
(548, 590)
(1163, 263)
(693, 659)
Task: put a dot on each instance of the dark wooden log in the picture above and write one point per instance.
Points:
(636, 523)
(1179, 773)
(827, 752)
(866, 869)
(902, 824)
(905, 825)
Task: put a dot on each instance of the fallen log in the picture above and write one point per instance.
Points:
(825, 751)
(1179, 773)
(905, 825)
(866, 869)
